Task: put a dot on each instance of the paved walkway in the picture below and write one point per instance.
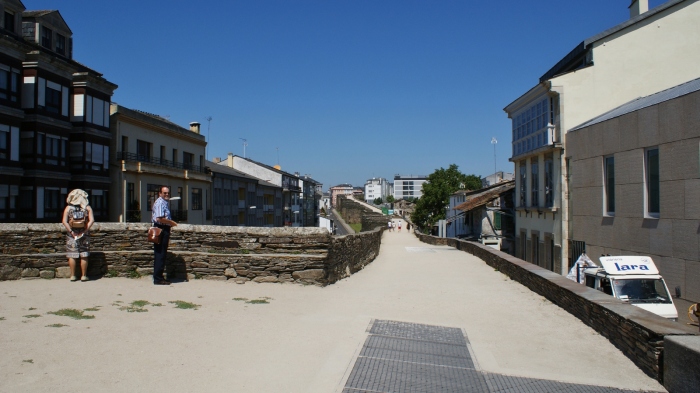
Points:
(293, 338)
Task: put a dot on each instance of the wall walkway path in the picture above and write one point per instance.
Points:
(273, 337)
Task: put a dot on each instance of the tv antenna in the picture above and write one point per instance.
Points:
(493, 142)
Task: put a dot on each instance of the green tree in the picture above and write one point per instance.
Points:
(390, 199)
(378, 201)
(430, 208)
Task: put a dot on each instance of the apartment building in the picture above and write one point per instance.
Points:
(652, 51)
(377, 187)
(54, 119)
(151, 151)
(243, 200)
(340, 189)
(408, 186)
(295, 212)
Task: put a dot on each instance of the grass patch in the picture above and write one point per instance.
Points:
(32, 308)
(45, 251)
(2, 318)
(157, 304)
(96, 308)
(32, 316)
(136, 306)
(111, 273)
(240, 299)
(245, 251)
(56, 325)
(71, 313)
(185, 305)
(258, 301)
(356, 227)
(134, 274)
(28, 361)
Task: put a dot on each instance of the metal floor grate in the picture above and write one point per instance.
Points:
(402, 357)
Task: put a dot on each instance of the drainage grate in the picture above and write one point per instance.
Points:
(402, 357)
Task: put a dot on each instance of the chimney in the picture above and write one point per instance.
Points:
(230, 155)
(638, 7)
(217, 160)
(194, 127)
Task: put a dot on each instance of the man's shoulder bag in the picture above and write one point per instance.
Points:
(154, 235)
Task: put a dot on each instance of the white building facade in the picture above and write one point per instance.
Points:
(408, 186)
(377, 187)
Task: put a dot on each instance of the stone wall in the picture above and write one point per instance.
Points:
(354, 212)
(639, 334)
(302, 255)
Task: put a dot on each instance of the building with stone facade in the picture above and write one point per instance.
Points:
(652, 51)
(408, 186)
(243, 200)
(149, 152)
(635, 183)
(54, 119)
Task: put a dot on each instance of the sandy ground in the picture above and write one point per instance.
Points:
(305, 339)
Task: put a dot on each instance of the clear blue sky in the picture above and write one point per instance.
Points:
(347, 90)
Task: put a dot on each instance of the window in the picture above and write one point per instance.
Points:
(609, 186)
(187, 160)
(53, 100)
(98, 202)
(523, 183)
(4, 144)
(8, 201)
(52, 202)
(9, 22)
(46, 34)
(9, 83)
(143, 150)
(60, 44)
(196, 199)
(535, 181)
(651, 174)
(548, 181)
(152, 194)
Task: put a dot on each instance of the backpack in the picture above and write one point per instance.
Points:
(77, 218)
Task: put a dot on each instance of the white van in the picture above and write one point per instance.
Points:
(633, 279)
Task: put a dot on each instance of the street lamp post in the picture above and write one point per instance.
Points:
(493, 142)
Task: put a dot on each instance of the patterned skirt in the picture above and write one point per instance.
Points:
(76, 248)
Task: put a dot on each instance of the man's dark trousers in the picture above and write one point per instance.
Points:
(160, 251)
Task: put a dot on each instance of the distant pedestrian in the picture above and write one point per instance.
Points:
(389, 226)
(399, 226)
(408, 227)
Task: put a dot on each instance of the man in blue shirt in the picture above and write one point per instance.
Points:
(162, 219)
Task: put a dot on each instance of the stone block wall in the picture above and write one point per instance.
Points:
(302, 255)
(354, 212)
(639, 334)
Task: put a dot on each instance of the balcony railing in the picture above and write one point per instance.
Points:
(179, 215)
(133, 216)
(133, 157)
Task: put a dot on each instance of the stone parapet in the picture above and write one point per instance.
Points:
(354, 212)
(302, 255)
(639, 334)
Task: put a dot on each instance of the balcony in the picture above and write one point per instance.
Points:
(133, 157)
(268, 208)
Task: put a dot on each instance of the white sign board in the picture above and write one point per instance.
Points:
(629, 265)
